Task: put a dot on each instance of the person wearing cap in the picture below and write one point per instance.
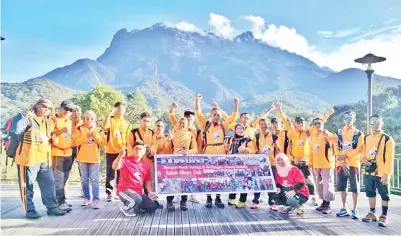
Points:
(283, 141)
(214, 131)
(118, 130)
(61, 126)
(34, 162)
(321, 159)
(378, 159)
(348, 148)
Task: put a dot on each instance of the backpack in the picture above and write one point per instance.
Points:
(19, 125)
(136, 130)
(6, 129)
(207, 126)
(386, 138)
(355, 138)
(274, 137)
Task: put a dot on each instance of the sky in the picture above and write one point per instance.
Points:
(42, 35)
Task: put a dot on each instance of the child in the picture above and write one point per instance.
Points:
(134, 174)
(88, 139)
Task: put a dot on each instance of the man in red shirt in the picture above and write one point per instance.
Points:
(134, 175)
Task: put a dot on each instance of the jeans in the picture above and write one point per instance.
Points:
(110, 173)
(62, 169)
(90, 174)
(41, 172)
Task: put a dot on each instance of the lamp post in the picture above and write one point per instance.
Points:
(368, 60)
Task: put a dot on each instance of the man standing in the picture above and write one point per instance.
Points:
(61, 151)
(118, 130)
(378, 158)
(213, 136)
(348, 148)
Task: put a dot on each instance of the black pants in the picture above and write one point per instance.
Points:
(184, 198)
(243, 197)
(308, 178)
(209, 198)
(110, 173)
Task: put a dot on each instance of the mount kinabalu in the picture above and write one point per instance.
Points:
(180, 63)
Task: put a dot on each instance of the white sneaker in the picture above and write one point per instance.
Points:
(193, 199)
(313, 201)
(86, 202)
(176, 199)
(128, 212)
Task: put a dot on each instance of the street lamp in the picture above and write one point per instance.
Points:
(368, 60)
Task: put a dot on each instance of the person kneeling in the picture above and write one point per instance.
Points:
(134, 174)
(292, 190)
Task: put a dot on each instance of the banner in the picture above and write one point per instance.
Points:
(209, 174)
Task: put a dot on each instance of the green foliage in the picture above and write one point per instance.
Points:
(136, 105)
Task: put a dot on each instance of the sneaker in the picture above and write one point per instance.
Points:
(274, 207)
(95, 204)
(209, 204)
(128, 211)
(69, 205)
(232, 202)
(219, 203)
(300, 211)
(354, 214)
(64, 207)
(159, 206)
(56, 212)
(176, 199)
(183, 206)
(286, 210)
(170, 206)
(320, 208)
(383, 221)
(313, 201)
(240, 204)
(109, 197)
(326, 210)
(86, 202)
(193, 199)
(342, 212)
(370, 217)
(255, 206)
(32, 214)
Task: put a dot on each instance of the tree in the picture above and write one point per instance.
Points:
(136, 105)
(100, 100)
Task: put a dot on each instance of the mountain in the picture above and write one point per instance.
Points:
(185, 63)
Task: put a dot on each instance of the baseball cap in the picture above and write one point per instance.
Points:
(189, 112)
(299, 119)
(273, 120)
(68, 105)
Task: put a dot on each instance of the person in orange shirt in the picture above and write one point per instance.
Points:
(214, 132)
(76, 123)
(88, 140)
(118, 130)
(322, 160)
(182, 141)
(61, 126)
(159, 140)
(143, 133)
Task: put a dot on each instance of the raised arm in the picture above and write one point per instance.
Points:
(255, 124)
(106, 122)
(230, 121)
(198, 113)
(117, 162)
(287, 124)
(171, 114)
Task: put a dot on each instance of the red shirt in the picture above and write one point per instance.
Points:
(294, 177)
(133, 175)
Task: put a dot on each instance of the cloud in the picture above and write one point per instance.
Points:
(258, 24)
(326, 34)
(222, 25)
(376, 32)
(387, 22)
(184, 26)
(339, 34)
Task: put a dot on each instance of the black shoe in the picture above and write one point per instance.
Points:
(219, 203)
(32, 214)
(183, 206)
(56, 212)
(209, 204)
(170, 206)
(159, 206)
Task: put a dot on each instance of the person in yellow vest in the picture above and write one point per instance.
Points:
(143, 133)
(118, 130)
(88, 140)
(322, 160)
(214, 131)
(61, 126)
(378, 159)
(33, 160)
(283, 141)
(182, 141)
(76, 123)
(348, 148)
(159, 140)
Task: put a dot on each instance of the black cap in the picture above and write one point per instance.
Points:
(299, 119)
(189, 112)
(273, 120)
(68, 105)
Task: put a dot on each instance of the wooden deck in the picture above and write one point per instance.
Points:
(196, 221)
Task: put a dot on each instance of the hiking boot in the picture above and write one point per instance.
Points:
(33, 214)
(219, 203)
(209, 204)
(326, 210)
(86, 202)
(286, 210)
(128, 211)
(354, 214)
(300, 211)
(170, 206)
(313, 201)
(109, 197)
(342, 212)
(370, 217)
(95, 204)
(56, 212)
(193, 199)
(274, 207)
(232, 202)
(183, 206)
(255, 206)
(383, 221)
(240, 205)
(64, 207)
(320, 208)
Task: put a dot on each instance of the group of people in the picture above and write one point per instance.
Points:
(302, 159)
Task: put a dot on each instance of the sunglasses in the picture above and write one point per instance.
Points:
(347, 118)
(375, 123)
(317, 123)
